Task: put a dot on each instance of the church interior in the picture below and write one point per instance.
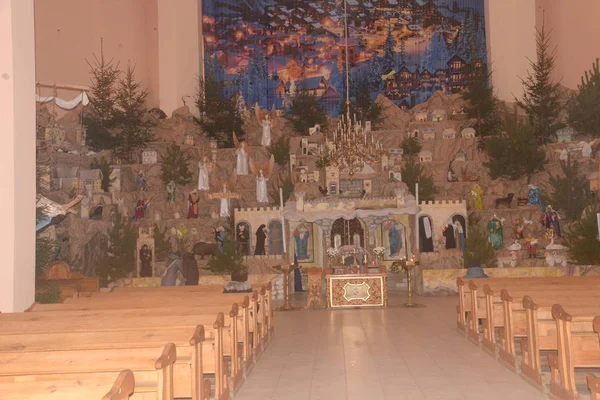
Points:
(300, 200)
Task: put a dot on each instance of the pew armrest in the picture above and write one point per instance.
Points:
(123, 387)
(198, 336)
(168, 357)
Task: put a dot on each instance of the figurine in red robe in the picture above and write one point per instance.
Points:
(193, 199)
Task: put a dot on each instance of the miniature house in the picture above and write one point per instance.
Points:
(384, 162)
(332, 179)
(421, 116)
(303, 175)
(565, 135)
(213, 144)
(395, 176)
(292, 161)
(467, 133)
(67, 177)
(460, 155)
(188, 139)
(438, 115)
(92, 177)
(304, 146)
(449, 133)
(316, 175)
(425, 156)
(429, 134)
(149, 156)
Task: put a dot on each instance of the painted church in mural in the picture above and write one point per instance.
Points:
(269, 50)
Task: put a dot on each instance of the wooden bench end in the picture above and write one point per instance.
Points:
(198, 336)
(123, 386)
(528, 303)
(505, 296)
(168, 357)
(559, 313)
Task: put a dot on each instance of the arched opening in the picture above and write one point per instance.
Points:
(425, 234)
(461, 220)
(348, 232)
(242, 236)
(275, 237)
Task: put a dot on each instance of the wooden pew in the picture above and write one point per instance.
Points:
(257, 321)
(464, 292)
(188, 369)
(152, 374)
(578, 347)
(251, 322)
(265, 290)
(594, 385)
(41, 323)
(72, 389)
(265, 310)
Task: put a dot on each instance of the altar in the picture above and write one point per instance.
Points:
(351, 288)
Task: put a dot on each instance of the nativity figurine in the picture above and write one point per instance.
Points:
(205, 167)
(241, 163)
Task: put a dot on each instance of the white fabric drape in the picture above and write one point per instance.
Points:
(65, 104)
(427, 227)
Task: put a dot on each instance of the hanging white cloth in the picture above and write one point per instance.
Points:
(224, 212)
(203, 179)
(65, 104)
(241, 167)
(261, 189)
(266, 134)
(427, 227)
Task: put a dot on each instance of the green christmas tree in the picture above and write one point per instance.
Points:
(412, 173)
(570, 193)
(481, 105)
(230, 261)
(584, 108)
(479, 251)
(100, 119)
(280, 149)
(104, 166)
(541, 97)
(219, 117)
(134, 129)
(410, 146)
(162, 244)
(582, 239)
(367, 108)
(514, 153)
(175, 167)
(305, 112)
(120, 258)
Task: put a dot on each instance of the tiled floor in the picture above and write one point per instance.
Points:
(375, 354)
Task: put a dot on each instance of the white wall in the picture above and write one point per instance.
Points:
(510, 42)
(17, 154)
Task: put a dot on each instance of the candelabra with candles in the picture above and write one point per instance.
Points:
(351, 145)
(408, 266)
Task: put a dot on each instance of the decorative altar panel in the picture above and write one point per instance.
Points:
(357, 290)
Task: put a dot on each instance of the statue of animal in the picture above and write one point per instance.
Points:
(505, 200)
(511, 260)
(204, 249)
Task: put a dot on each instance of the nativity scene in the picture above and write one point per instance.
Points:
(354, 156)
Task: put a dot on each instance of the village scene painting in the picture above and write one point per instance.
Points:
(269, 50)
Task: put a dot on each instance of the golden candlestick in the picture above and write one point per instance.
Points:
(287, 306)
(408, 266)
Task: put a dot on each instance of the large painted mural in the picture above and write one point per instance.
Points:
(269, 50)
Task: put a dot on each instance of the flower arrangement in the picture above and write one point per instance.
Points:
(379, 250)
(332, 252)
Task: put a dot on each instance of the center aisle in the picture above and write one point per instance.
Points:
(379, 354)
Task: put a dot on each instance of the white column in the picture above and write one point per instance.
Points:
(17, 155)
(510, 32)
(179, 55)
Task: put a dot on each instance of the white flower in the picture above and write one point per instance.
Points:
(379, 250)
(332, 252)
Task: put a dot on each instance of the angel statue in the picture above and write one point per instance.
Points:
(262, 175)
(241, 164)
(225, 195)
(268, 124)
(205, 167)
